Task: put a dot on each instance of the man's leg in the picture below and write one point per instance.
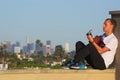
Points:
(95, 59)
(81, 52)
(89, 53)
(78, 57)
(79, 45)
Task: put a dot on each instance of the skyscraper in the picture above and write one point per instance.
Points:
(30, 48)
(66, 47)
(48, 42)
(48, 47)
(27, 40)
(18, 44)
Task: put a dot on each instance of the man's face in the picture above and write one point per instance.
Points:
(106, 26)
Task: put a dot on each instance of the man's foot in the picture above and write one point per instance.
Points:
(80, 67)
(65, 67)
(68, 64)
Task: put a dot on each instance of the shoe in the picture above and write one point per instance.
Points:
(65, 67)
(69, 63)
(81, 67)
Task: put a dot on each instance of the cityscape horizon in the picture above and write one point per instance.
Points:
(32, 47)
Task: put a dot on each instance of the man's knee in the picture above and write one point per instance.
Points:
(79, 43)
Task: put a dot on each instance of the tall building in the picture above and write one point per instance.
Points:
(48, 42)
(27, 40)
(38, 48)
(30, 48)
(44, 51)
(66, 47)
(16, 48)
(48, 48)
(12, 48)
(24, 50)
(18, 44)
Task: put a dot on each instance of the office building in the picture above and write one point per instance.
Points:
(66, 47)
(16, 49)
(27, 40)
(48, 48)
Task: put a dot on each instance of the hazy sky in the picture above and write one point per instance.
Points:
(57, 20)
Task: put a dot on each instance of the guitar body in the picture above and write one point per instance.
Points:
(98, 40)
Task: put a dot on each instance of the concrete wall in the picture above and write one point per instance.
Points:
(116, 15)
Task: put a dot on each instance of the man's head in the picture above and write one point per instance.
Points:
(109, 25)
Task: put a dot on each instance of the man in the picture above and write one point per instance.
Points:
(98, 56)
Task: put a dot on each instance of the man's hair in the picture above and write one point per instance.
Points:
(113, 22)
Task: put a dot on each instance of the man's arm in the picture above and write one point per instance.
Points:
(99, 49)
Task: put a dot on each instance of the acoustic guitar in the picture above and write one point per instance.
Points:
(98, 39)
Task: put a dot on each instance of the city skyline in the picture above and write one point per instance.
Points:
(32, 47)
(27, 41)
(60, 21)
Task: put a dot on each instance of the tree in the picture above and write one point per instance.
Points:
(1, 51)
(38, 42)
(4, 52)
(49, 58)
(39, 52)
(12, 63)
(59, 53)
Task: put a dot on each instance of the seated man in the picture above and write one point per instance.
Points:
(98, 56)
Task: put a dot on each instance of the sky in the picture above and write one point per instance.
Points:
(60, 21)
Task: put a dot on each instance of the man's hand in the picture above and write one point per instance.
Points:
(90, 38)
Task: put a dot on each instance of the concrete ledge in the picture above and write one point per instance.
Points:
(38, 71)
(57, 74)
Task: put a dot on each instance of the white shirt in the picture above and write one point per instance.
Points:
(111, 42)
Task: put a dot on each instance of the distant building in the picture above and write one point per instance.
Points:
(67, 47)
(48, 42)
(12, 47)
(38, 48)
(48, 48)
(52, 51)
(27, 40)
(24, 50)
(44, 51)
(18, 44)
(30, 48)
(16, 49)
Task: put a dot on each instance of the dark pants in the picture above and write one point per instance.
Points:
(90, 54)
